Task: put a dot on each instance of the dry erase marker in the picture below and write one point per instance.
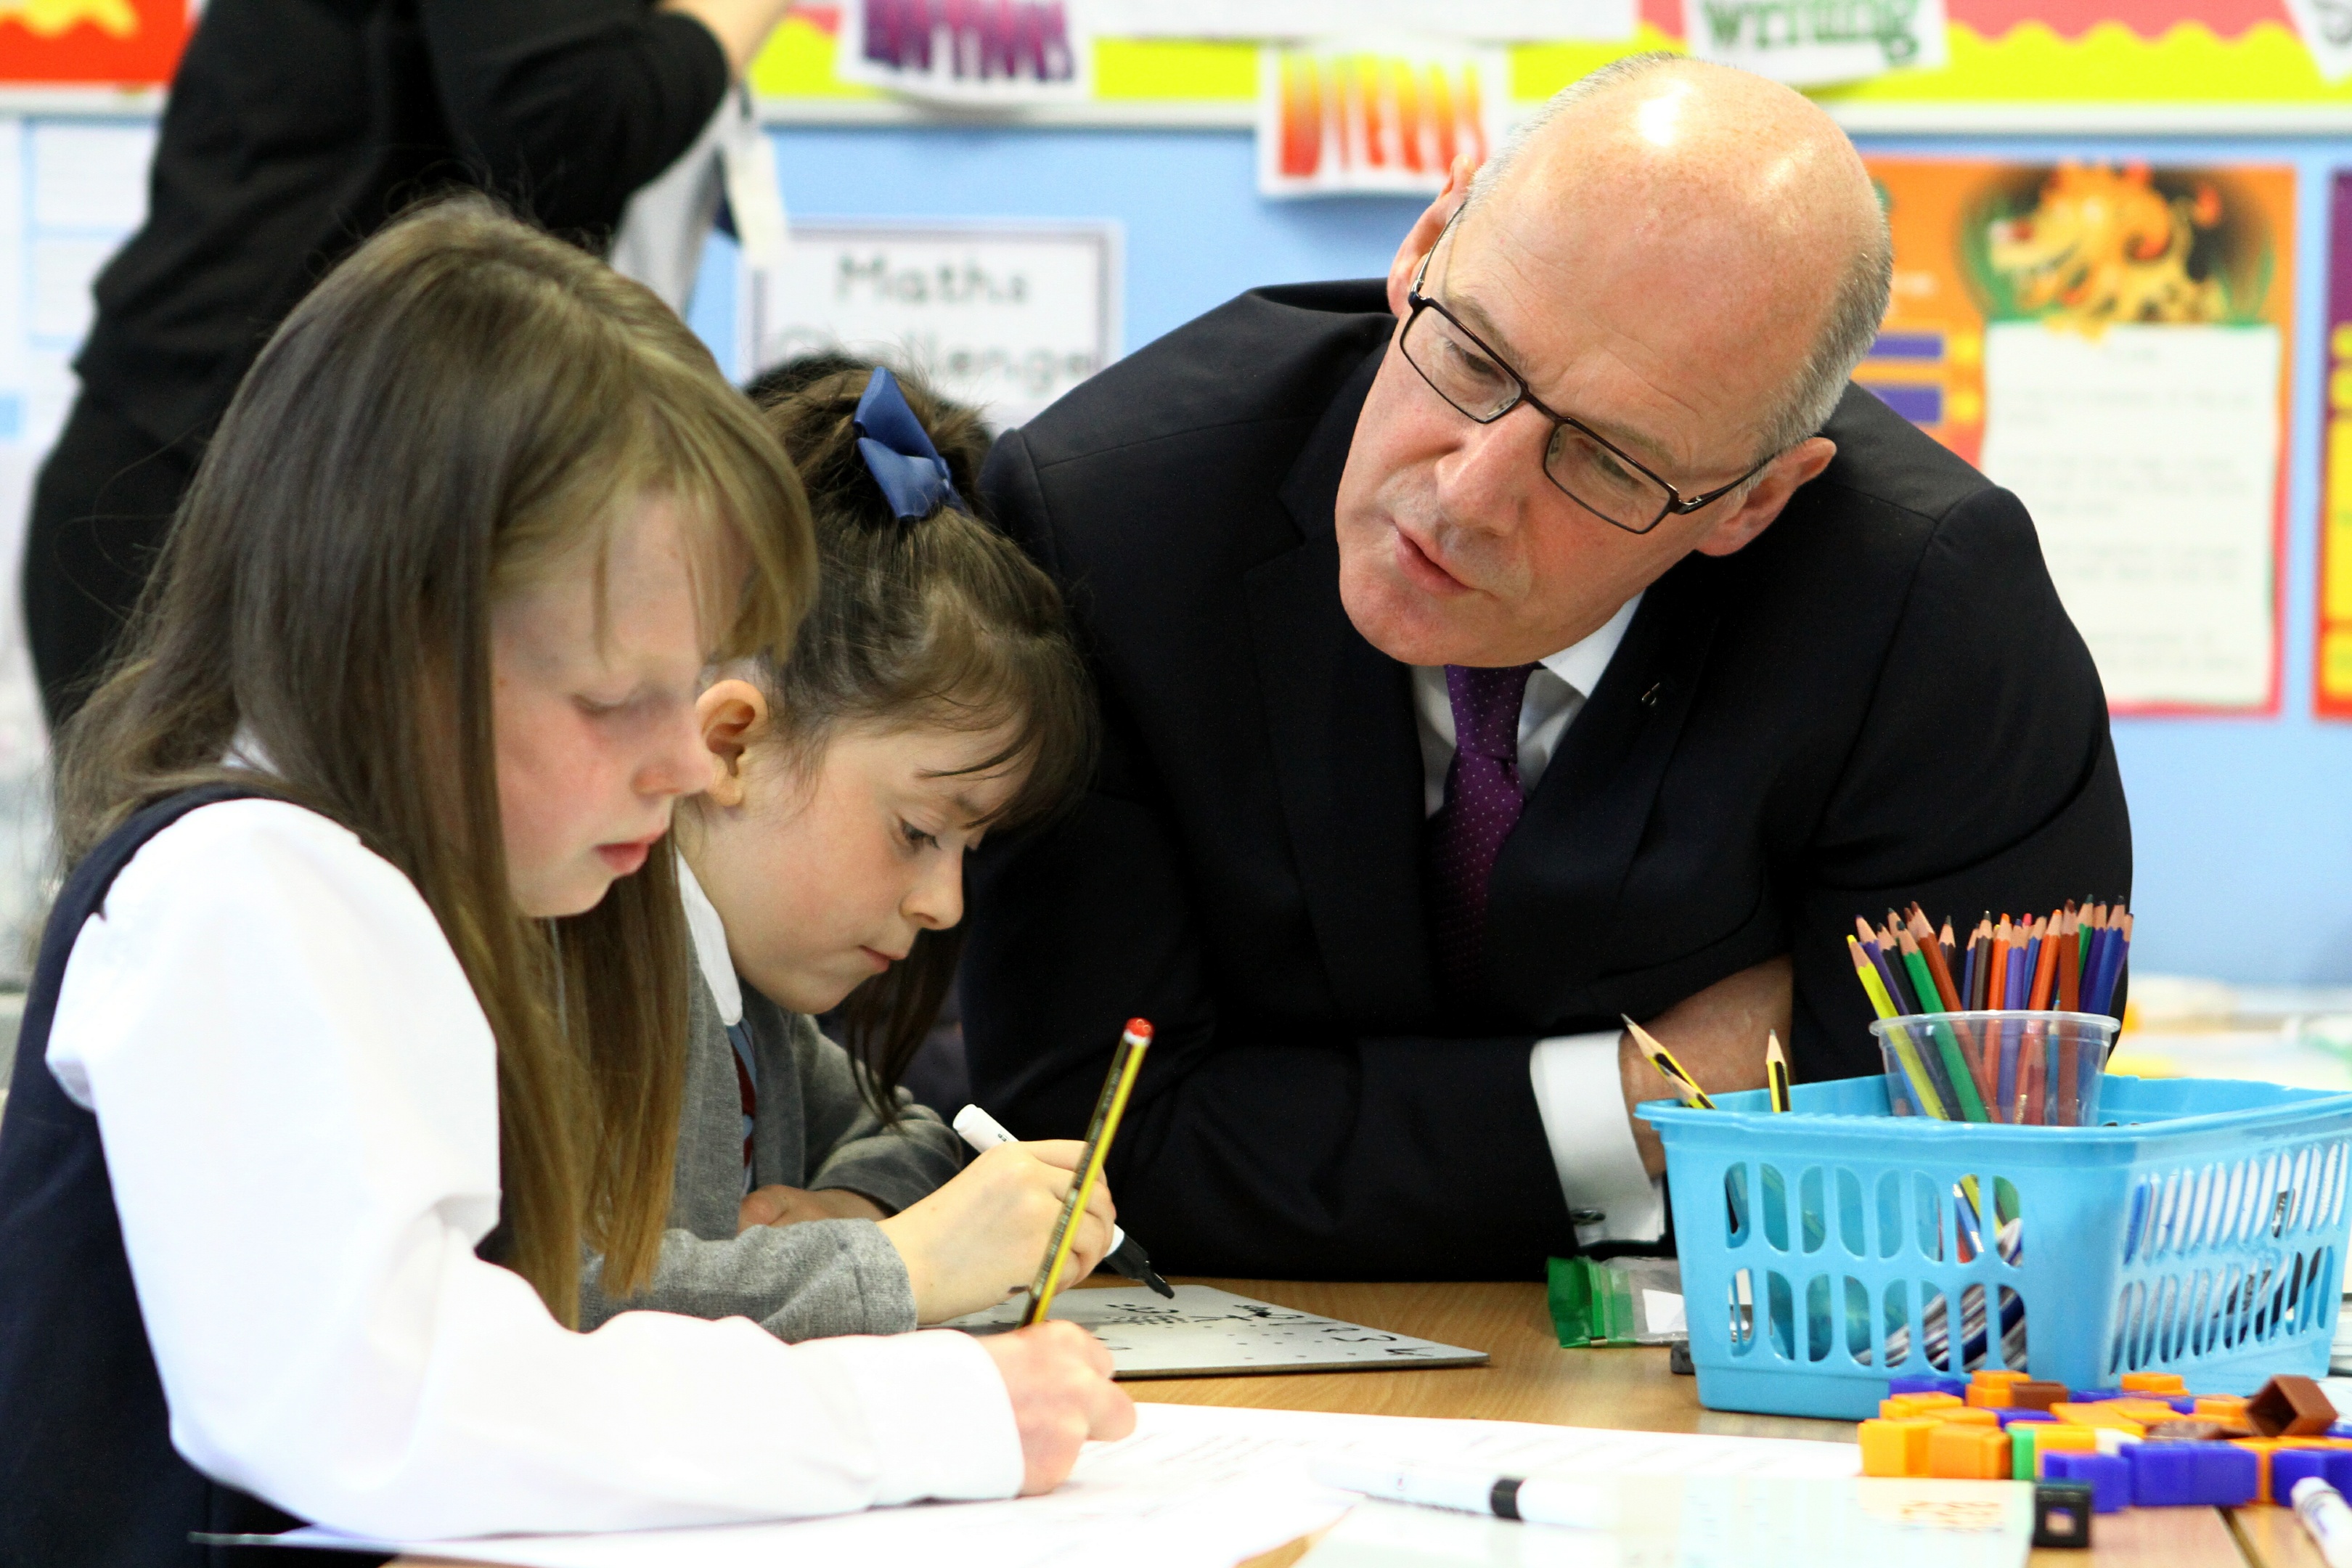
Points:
(2323, 1512)
(1127, 1255)
(1538, 1499)
(1664, 1060)
(1125, 1062)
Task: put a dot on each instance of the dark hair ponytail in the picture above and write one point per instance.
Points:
(937, 619)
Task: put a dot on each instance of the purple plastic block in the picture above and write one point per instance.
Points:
(2186, 1475)
(1959, 1386)
(2341, 1429)
(2093, 1395)
(2109, 1475)
(2289, 1466)
(2009, 1418)
(2184, 1403)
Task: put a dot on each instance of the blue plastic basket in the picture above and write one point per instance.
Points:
(1831, 1248)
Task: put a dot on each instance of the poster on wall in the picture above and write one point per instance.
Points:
(2112, 343)
(97, 43)
(1003, 316)
(2332, 692)
(1818, 45)
(1487, 21)
(1388, 116)
(1007, 55)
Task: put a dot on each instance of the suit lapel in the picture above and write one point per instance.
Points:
(1347, 760)
(1557, 882)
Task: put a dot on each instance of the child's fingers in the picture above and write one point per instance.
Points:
(1062, 1153)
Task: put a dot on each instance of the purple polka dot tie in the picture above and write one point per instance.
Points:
(1482, 805)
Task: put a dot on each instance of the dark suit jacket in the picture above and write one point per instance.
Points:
(1880, 700)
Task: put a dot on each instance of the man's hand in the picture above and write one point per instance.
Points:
(791, 1205)
(1058, 1376)
(1717, 1034)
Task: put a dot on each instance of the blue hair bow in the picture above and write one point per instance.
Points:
(899, 455)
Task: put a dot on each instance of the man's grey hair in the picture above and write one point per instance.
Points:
(1856, 310)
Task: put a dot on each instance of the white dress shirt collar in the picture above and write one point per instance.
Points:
(1582, 664)
(710, 945)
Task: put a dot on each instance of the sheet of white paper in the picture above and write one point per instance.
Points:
(1489, 21)
(1664, 1309)
(1206, 1330)
(2149, 457)
(1807, 43)
(1006, 316)
(1006, 56)
(1741, 1522)
(1196, 1487)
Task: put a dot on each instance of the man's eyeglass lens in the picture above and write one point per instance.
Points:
(1466, 376)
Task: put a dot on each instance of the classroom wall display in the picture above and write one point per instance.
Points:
(1806, 44)
(1336, 118)
(99, 42)
(1486, 20)
(2066, 64)
(2111, 343)
(1004, 316)
(975, 53)
(2332, 692)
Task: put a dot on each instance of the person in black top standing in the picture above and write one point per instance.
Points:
(296, 129)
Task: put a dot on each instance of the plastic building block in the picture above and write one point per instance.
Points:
(2060, 1439)
(2219, 1407)
(1903, 1407)
(2079, 1414)
(2022, 1464)
(2140, 1409)
(2031, 1417)
(2155, 1383)
(2186, 1431)
(1967, 1415)
(2333, 1466)
(1989, 1395)
(2110, 1440)
(1955, 1387)
(2341, 1429)
(1894, 1448)
(2031, 1394)
(1963, 1451)
(2290, 1407)
(2108, 1475)
(2093, 1395)
(2061, 1515)
(2190, 1474)
(2262, 1449)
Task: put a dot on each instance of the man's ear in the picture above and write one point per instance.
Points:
(732, 714)
(1423, 236)
(1737, 528)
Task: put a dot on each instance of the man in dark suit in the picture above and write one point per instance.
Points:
(1547, 634)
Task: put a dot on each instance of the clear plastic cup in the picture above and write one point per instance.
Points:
(2022, 1069)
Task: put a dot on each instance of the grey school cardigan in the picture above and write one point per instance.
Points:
(798, 1281)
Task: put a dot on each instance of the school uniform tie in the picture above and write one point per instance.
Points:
(747, 1091)
(1482, 805)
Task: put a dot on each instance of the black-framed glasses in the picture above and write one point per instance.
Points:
(1602, 479)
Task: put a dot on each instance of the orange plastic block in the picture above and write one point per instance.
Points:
(1973, 1415)
(2057, 1437)
(1965, 1451)
(2153, 1383)
(1903, 1407)
(1995, 1374)
(2102, 1414)
(2262, 1449)
(1990, 1397)
(1894, 1448)
(2220, 1407)
(2144, 1411)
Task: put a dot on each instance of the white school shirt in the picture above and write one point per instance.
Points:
(1579, 1092)
(298, 1096)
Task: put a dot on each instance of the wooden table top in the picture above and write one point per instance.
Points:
(1530, 1378)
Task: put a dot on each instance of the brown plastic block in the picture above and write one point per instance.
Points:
(2036, 1395)
(2185, 1430)
(2290, 1407)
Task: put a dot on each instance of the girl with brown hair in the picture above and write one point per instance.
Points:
(368, 976)
(933, 696)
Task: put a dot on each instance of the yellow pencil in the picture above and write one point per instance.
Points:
(1923, 1088)
(1776, 1070)
(1664, 1060)
(1117, 1083)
